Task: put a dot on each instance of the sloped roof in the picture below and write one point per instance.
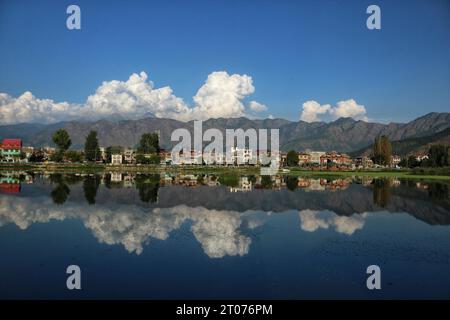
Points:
(12, 143)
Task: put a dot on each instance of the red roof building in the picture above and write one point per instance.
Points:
(11, 144)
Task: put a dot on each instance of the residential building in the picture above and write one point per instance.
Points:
(395, 160)
(315, 156)
(335, 158)
(303, 158)
(194, 157)
(421, 156)
(363, 162)
(11, 150)
(28, 151)
(240, 156)
(213, 158)
(116, 159)
(48, 152)
(129, 156)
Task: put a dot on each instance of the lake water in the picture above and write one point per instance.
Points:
(206, 236)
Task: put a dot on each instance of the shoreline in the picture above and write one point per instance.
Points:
(98, 168)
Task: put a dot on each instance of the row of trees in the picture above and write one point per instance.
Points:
(147, 152)
(438, 156)
(63, 142)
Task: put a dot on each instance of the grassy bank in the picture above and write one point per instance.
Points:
(424, 173)
(374, 174)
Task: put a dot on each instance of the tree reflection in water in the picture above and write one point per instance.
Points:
(148, 186)
(60, 193)
(90, 187)
(438, 191)
(291, 183)
(222, 218)
(381, 192)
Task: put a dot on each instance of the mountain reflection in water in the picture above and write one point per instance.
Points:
(132, 209)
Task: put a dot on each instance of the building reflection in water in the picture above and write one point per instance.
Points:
(221, 232)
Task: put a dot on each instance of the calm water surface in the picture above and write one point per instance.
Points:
(206, 236)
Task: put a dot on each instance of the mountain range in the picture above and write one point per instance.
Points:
(343, 134)
(412, 145)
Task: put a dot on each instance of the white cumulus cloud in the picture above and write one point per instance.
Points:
(313, 111)
(222, 95)
(349, 108)
(27, 108)
(256, 106)
(135, 98)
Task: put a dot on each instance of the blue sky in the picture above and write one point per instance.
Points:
(294, 51)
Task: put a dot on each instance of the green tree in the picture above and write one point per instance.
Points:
(57, 156)
(62, 140)
(386, 149)
(155, 159)
(91, 148)
(74, 156)
(382, 151)
(292, 158)
(149, 143)
(148, 159)
(376, 152)
(412, 162)
(439, 156)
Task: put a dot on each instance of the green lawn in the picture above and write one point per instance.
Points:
(374, 174)
(87, 168)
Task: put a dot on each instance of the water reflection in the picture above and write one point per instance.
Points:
(60, 193)
(148, 186)
(312, 220)
(221, 211)
(381, 192)
(90, 187)
(218, 231)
